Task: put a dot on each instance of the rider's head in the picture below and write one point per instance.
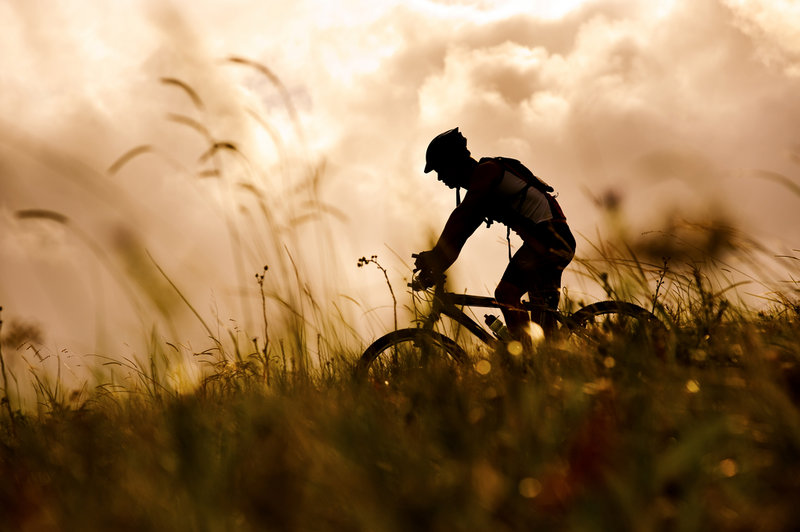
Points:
(448, 155)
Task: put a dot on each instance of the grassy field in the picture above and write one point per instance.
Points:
(704, 438)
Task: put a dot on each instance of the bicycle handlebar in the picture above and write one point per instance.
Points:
(424, 279)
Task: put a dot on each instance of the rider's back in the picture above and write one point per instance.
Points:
(516, 194)
(518, 198)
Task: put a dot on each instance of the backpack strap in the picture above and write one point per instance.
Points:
(519, 169)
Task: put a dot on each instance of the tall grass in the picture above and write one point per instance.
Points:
(705, 441)
(272, 212)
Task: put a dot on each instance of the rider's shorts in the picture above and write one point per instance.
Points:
(539, 272)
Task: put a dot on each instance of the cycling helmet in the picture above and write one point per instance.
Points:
(443, 147)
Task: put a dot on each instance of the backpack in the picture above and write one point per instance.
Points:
(531, 180)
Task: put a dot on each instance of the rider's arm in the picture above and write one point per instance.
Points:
(468, 215)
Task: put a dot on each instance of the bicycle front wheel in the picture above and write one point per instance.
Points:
(408, 349)
(611, 324)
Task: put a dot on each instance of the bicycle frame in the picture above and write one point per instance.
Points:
(588, 323)
(450, 304)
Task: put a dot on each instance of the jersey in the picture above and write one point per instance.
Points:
(520, 199)
(525, 199)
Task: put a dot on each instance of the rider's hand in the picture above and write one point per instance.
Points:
(425, 279)
(428, 264)
(425, 261)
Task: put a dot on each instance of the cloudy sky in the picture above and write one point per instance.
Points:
(320, 112)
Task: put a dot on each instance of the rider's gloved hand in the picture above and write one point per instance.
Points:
(425, 263)
(425, 279)
(426, 260)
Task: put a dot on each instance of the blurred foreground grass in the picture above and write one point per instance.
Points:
(707, 439)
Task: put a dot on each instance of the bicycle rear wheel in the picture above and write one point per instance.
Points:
(612, 324)
(408, 349)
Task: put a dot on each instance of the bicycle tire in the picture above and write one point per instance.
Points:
(607, 320)
(414, 345)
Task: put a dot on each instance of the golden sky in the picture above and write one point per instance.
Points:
(685, 108)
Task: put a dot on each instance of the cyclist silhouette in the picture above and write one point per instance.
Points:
(503, 190)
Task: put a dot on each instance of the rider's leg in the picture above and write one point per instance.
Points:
(516, 281)
(517, 321)
(546, 298)
(509, 293)
(544, 288)
(539, 276)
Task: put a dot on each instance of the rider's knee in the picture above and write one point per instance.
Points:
(549, 298)
(507, 293)
(552, 298)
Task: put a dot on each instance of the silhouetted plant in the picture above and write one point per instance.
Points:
(363, 261)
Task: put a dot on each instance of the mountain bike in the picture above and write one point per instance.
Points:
(594, 325)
